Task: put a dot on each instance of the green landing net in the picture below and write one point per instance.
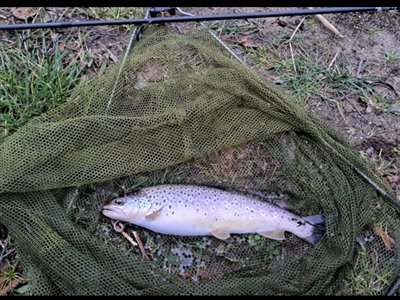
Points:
(184, 111)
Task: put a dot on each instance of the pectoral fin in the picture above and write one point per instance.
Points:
(275, 235)
(154, 215)
(221, 233)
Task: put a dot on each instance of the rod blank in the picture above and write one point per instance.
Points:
(161, 20)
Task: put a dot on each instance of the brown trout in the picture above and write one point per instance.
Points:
(187, 210)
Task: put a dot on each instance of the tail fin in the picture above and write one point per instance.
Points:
(319, 228)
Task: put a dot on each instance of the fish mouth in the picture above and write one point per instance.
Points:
(112, 208)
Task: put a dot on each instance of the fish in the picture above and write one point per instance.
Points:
(191, 210)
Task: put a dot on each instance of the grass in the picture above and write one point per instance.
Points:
(112, 12)
(269, 248)
(391, 57)
(37, 73)
(311, 77)
(31, 82)
(35, 76)
(396, 151)
(308, 77)
(363, 278)
(11, 279)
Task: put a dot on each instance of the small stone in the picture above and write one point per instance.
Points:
(370, 150)
(394, 108)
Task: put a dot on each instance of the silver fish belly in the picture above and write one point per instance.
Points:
(188, 210)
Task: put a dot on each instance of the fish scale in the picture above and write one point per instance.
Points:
(189, 210)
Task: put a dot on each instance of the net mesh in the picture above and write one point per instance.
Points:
(185, 112)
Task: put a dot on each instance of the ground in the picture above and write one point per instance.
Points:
(353, 83)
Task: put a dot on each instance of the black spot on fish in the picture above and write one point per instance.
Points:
(172, 213)
(170, 206)
(300, 223)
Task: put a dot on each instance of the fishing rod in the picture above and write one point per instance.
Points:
(172, 19)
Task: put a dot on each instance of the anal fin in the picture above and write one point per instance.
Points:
(221, 233)
(275, 235)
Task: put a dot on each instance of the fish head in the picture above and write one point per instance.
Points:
(128, 209)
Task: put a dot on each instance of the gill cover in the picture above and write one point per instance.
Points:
(129, 209)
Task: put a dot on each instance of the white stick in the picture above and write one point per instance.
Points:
(327, 24)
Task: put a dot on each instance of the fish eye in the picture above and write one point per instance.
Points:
(118, 201)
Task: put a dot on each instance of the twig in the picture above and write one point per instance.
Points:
(4, 246)
(139, 242)
(327, 24)
(337, 105)
(304, 51)
(291, 53)
(129, 238)
(62, 15)
(394, 287)
(384, 84)
(221, 28)
(290, 44)
(334, 59)
(4, 255)
(297, 28)
(359, 69)
(119, 227)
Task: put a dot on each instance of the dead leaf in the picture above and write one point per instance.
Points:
(6, 287)
(54, 36)
(23, 13)
(248, 43)
(393, 179)
(62, 46)
(150, 73)
(112, 56)
(4, 265)
(281, 23)
(46, 18)
(387, 240)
